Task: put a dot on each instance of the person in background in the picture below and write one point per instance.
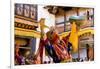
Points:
(18, 57)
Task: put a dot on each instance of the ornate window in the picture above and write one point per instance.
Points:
(26, 10)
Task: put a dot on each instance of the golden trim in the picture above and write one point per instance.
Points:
(26, 32)
(33, 33)
(81, 32)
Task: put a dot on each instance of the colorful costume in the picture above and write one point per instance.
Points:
(51, 52)
(68, 44)
(58, 45)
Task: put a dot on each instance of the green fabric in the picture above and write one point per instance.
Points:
(77, 18)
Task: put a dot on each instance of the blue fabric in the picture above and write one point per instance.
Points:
(69, 47)
(52, 53)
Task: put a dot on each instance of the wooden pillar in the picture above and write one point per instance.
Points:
(33, 45)
(64, 20)
(77, 11)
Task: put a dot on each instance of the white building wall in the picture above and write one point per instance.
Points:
(83, 54)
(49, 20)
